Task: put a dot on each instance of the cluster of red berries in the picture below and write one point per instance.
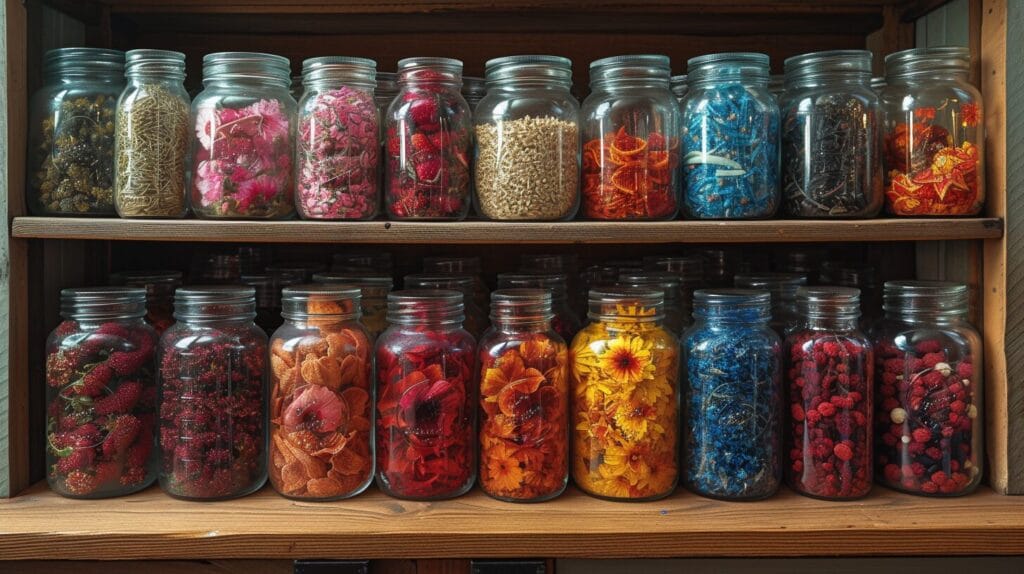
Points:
(829, 381)
(925, 418)
(100, 413)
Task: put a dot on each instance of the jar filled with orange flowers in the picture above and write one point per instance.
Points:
(624, 371)
(524, 399)
(320, 398)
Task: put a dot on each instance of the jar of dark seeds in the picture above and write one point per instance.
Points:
(831, 164)
(71, 127)
(152, 137)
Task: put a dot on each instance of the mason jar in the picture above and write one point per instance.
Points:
(730, 138)
(689, 269)
(361, 261)
(159, 286)
(933, 134)
(630, 143)
(338, 147)
(468, 265)
(244, 148)
(928, 368)
(475, 318)
(526, 165)
(373, 300)
(783, 288)
(829, 377)
(100, 394)
(71, 133)
(524, 400)
(679, 87)
(426, 397)
(624, 372)
(676, 308)
(733, 397)
(212, 396)
(831, 148)
(474, 89)
(428, 143)
(321, 395)
(564, 320)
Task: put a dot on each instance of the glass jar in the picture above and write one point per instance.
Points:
(373, 300)
(624, 372)
(831, 152)
(159, 286)
(471, 266)
(689, 269)
(300, 271)
(858, 276)
(321, 371)
(473, 90)
(212, 396)
(564, 320)
(338, 147)
(100, 394)
(730, 138)
(296, 88)
(676, 311)
(777, 86)
(428, 142)
(928, 365)
(934, 144)
(679, 87)
(216, 268)
(243, 152)
(878, 84)
(527, 141)
(733, 397)
(630, 150)
(71, 127)
(475, 318)
(720, 266)
(524, 400)
(829, 384)
(426, 397)
(380, 261)
(152, 136)
(268, 298)
(782, 287)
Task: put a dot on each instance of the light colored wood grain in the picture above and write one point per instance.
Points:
(494, 232)
(150, 525)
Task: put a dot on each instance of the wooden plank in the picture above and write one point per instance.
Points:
(153, 567)
(151, 525)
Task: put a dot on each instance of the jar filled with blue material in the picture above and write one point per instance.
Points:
(730, 138)
(733, 396)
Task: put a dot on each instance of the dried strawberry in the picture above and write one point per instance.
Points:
(424, 111)
(95, 380)
(121, 435)
(429, 169)
(125, 363)
(122, 401)
(80, 482)
(77, 458)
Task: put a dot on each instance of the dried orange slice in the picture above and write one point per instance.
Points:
(625, 148)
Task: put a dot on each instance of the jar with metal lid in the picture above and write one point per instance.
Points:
(928, 368)
(934, 144)
(338, 147)
(526, 165)
(426, 397)
(676, 308)
(624, 371)
(244, 147)
(564, 320)
(373, 299)
(730, 138)
(733, 397)
(321, 381)
(428, 142)
(524, 400)
(153, 136)
(859, 276)
(630, 147)
(100, 394)
(829, 377)
(71, 133)
(212, 396)
(831, 148)
(783, 288)
(475, 320)
(160, 287)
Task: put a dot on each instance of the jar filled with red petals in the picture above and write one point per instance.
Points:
(426, 397)
(100, 394)
(373, 300)
(524, 400)
(933, 134)
(245, 127)
(212, 429)
(564, 320)
(428, 142)
(159, 286)
(338, 145)
(928, 367)
(829, 382)
(321, 370)
(475, 318)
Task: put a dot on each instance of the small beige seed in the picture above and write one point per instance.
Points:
(944, 369)
(972, 412)
(898, 415)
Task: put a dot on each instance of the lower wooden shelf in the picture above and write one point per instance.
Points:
(39, 524)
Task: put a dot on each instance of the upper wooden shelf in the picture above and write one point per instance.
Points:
(39, 524)
(596, 232)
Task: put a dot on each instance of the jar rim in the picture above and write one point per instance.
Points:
(83, 60)
(103, 302)
(907, 63)
(518, 295)
(431, 280)
(731, 296)
(354, 279)
(528, 68)
(465, 264)
(856, 61)
(359, 72)
(247, 66)
(224, 294)
(147, 276)
(766, 280)
(616, 294)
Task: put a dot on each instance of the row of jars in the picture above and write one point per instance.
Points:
(211, 408)
(243, 148)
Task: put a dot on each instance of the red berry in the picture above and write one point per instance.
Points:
(122, 401)
(95, 380)
(921, 435)
(843, 451)
(121, 435)
(423, 112)
(127, 363)
(80, 482)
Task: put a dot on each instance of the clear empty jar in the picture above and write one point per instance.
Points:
(934, 144)
(630, 146)
(564, 320)
(159, 286)
(473, 90)
(526, 165)
(679, 87)
(783, 288)
(373, 301)
(449, 265)
(212, 396)
(676, 309)
(71, 133)
(244, 147)
(475, 318)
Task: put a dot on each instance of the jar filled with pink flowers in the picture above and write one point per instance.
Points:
(243, 154)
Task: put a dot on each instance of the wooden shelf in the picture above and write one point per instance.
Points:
(399, 232)
(39, 524)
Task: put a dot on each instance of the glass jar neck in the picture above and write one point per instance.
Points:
(735, 76)
(851, 79)
(927, 317)
(236, 81)
(332, 83)
(617, 85)
(831, 323)
(933, 75)
(430, 77)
